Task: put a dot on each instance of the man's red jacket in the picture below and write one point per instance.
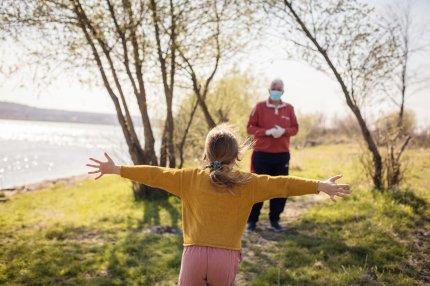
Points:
(266, 115)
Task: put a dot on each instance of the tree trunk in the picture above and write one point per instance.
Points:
(209, 120)
(168, 138)
(185, 134)
(371, 145)
(138, 156)
(163, 150)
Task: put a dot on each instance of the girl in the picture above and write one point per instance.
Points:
(216, 203)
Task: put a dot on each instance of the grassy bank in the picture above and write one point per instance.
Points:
(95, 234)
(367, 239)
(89, 234)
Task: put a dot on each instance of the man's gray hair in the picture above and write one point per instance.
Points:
(277, 81)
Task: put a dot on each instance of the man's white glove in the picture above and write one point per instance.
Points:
(269, 132)
(278, 131)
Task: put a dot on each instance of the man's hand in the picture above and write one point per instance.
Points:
(269, 132)
(278, 132)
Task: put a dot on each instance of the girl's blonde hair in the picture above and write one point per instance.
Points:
(222, 152)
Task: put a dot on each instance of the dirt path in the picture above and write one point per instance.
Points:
(264, 238)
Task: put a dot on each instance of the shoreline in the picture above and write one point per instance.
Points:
(44, 184)
(57, 121)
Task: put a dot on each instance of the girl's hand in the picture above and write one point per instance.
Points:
(332, 189)
(104, 168)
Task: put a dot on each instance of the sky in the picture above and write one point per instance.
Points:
(310, 91)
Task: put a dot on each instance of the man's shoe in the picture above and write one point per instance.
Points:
(274, 225)
(250, 227)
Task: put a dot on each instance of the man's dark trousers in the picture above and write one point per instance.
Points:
(274, 164)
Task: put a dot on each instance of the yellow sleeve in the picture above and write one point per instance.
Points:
(268, 187)
(168, 179)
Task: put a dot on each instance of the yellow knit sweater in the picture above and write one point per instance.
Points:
(213, 216)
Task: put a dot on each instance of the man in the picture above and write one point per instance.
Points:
(272, 122)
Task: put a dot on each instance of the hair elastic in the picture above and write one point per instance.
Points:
(215, 165)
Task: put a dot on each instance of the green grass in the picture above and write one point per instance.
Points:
(367, 239)
(94, 233)
(89, 234)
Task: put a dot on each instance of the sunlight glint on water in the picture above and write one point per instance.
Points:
(32, 151)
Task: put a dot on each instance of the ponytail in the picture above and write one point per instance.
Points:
(224, 176)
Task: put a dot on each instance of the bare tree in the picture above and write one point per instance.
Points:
(230, 100)
(189, 115)
(404, 83)
(408, 34)
(111, 36)
(341, 39)
(219, 38)
(164, 20)
(211, 55)
(127, 42)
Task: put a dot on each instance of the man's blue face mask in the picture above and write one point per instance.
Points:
(276, 94)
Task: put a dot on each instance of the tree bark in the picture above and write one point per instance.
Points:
(137, 155)
(150, 155)
(168, 138)
(185, 134)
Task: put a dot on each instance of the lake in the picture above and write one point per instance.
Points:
(33, 151)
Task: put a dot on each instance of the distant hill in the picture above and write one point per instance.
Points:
(9, 110)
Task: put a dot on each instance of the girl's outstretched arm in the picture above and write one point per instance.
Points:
(268, 187)
(104, 168)
(168, 179)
